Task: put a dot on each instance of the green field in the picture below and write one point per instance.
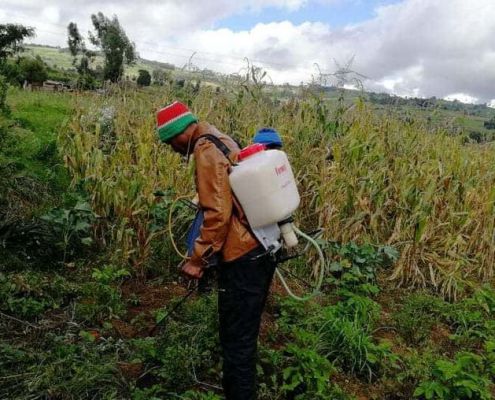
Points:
(88, 272)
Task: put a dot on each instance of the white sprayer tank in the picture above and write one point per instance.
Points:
(264, 184)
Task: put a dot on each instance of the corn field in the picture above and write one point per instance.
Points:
(362, 177)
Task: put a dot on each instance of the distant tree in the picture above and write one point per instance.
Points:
(111, 39)
(33, 69)
(476, 136)
(87, 81)
(160, 76)
(75, 40)
(490, 124)
(144, 78)
(77, 48)
(82, 58)
(11, 38)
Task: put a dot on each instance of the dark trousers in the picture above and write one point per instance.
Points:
(243, 288)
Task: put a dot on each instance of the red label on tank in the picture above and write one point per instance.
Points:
(280, 170)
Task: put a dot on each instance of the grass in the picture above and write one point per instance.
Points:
(54, 57)
(34, 177)
(83, 327)
(35, 119)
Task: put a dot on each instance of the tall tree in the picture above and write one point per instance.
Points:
(77, 48)
(75, 40)
(111, 39)
(11, 38)
(82, 57)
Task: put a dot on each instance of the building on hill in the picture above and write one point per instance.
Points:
(55, 86)
(48, 86)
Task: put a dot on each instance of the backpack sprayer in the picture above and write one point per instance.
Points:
(264, 185)
(263, 182)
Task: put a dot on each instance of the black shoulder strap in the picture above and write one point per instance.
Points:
(219, 144)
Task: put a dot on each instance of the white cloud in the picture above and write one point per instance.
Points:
(51, 14)
(491, 103)
(411, 48)
(462, 97)
(403, 82)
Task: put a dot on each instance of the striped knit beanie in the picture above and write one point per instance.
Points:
(173, 120)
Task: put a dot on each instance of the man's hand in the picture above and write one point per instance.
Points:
(192, 270)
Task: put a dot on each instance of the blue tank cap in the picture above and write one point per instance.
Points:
(268, 136)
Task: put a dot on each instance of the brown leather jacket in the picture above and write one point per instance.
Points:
(225, 227)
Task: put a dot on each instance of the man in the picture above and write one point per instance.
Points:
(244, 271)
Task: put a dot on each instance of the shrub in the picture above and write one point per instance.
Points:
(489, 124)
(3, 93)
(464, 378)
(355, 266)
(344, 332)
(33, 69)
(144, 78)
(308, 373)
(29, 294)
(351, 346)
(416, 367)
(185, 345)
(417, 316)
(194, 395)
(473, 318)
(101, 299)
(83, 369)
(13, 359)
(72, 226)
(155, 392)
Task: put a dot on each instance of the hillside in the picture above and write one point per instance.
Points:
(61, 58)
(454, 116)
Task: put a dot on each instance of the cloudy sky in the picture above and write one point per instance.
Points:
(443, 48)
